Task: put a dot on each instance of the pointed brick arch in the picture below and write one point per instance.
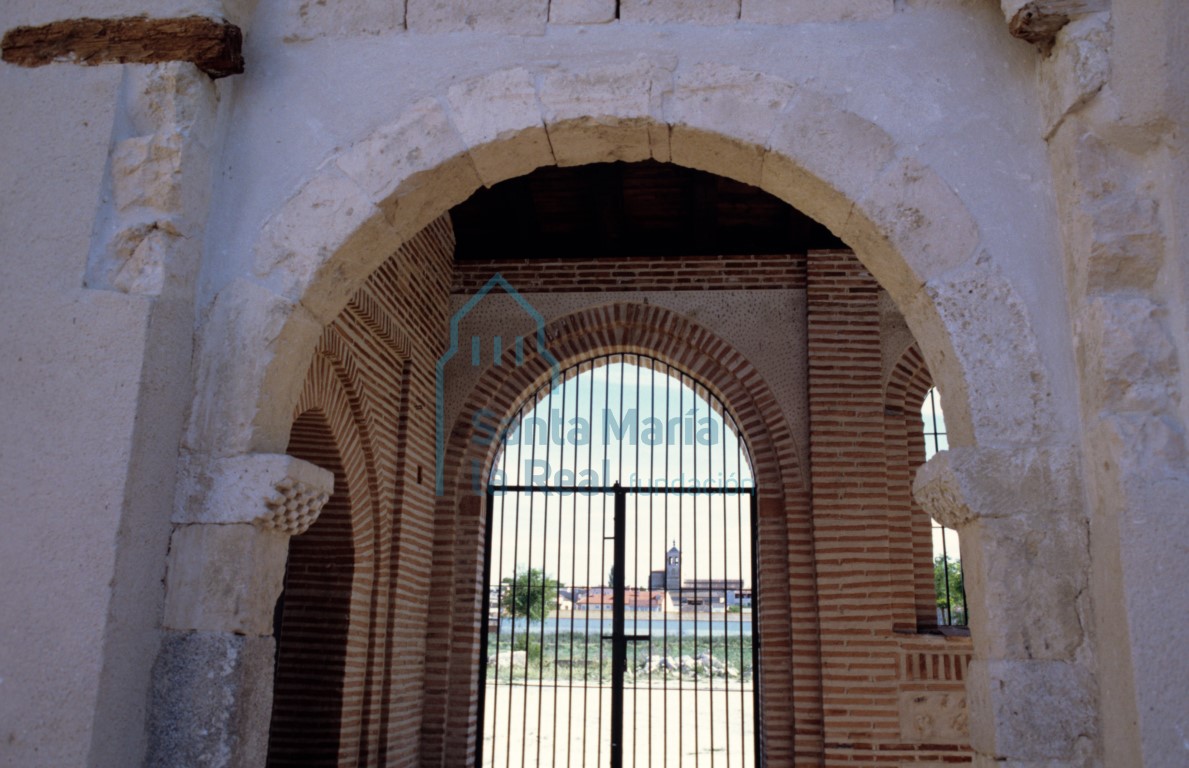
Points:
(788, 619)
(908, 383)
(321, 697)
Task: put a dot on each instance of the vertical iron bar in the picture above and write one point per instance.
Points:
(680, 560)
(756, 641)
(751, 535)
(697, 600)
(484, 628)
(514, 617)
(726, 575)
(561, 514)
(651, 550)
(528, 570)
(603, 554)
(544, 565)
(635, 568)
(618, 642)
(665, 701)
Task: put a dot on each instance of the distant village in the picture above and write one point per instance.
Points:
(666, 593)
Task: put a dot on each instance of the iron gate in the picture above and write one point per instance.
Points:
(592, 654)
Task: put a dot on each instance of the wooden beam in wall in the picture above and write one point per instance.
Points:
(213, 45)
(1039, 21)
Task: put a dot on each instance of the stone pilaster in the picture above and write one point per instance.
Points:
(212, 682)
(1026, 557)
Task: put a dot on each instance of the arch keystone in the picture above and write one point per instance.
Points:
(499, 119)
(606, 114)
(711, 102)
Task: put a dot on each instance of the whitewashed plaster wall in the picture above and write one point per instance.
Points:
(95, 383)
(941, 78)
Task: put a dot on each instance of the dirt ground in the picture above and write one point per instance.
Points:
(533, 725)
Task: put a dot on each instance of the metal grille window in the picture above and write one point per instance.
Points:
(947, 557)
(620, 573)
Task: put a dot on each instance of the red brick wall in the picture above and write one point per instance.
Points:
(690, 273)
(866, 530)
(911, 536)
(312, 650)
(372, 376)
(845, 567)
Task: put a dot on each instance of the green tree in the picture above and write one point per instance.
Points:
(953, 606)
(531, 593)
(611, 577)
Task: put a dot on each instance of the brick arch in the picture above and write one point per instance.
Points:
(313, 622)
(331, 569)
(788, 617)
(627, 327)
(907, 384)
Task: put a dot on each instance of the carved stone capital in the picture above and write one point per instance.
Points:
(938, 490)
(271, 491)
(965, 484)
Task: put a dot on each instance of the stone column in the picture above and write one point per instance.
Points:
(211, 698)
(1025, 556)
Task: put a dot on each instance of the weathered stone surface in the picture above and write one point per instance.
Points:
(1126, 348)
(695, 11)
(801, 11)
(146, 172)
(1029, 574)
(606, 114)
(255, 489)
(212, 45)
(313, 20)
(211, 701)
(1039, 710)
(711, 103)
(228, 419)
(156, 196)
(330, 223)
(410, 168)
(1076, 69)
(516, 16)
(1039, 21)
(934, 717)
(918, 215)
(224, 578)
(997, 500)
(987, 324)
(500, 121)
(582, 11)
(135, 258)
(822, 158)
(986, 482)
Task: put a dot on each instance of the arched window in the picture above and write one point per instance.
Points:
(947, 556)
(620, 574)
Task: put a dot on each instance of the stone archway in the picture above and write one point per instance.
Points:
(909, 228)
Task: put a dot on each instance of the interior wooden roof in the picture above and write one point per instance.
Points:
(629, 209)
